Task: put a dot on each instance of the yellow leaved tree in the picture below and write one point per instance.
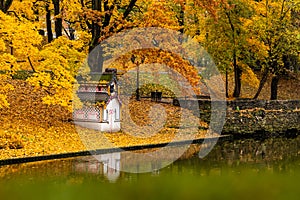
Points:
(19, 44)
(275, 40)
(52, 66)
(58, 65)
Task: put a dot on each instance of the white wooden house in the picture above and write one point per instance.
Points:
(101, 104)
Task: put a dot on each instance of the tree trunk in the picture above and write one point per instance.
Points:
(274, 87)
(48, 23)
(226, 83)
(5, 5)
(237, 77)
(236, 68)
(181, 19)
(96, 5)
(96, 59)
(262, 83)
(109, 10)
(58, 20)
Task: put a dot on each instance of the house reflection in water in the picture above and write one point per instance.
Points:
(139, 161)
(111, 165)
(104, 164)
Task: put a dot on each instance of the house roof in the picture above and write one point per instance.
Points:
(93, 80)
(100, 78)
(93, 97)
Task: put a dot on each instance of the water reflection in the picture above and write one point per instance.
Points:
(105, 164)
(275, 155)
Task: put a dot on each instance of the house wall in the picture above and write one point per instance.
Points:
(113, 118)
(87, 114)
(88, 117)
(109, 117)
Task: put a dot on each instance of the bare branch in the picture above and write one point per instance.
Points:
(31, 64)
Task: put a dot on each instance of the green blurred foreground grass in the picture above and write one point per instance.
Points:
(247, 185)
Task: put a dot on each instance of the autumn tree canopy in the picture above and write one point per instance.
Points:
(50, 39)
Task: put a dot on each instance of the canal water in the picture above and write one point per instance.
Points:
(234, 160)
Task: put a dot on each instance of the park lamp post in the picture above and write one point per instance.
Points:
(138, 82)
(133, 59)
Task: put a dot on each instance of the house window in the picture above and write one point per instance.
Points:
(98, 89)
(112, 88)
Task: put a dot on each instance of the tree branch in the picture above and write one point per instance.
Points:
(10, 11)
(31, 64)
(129, 8)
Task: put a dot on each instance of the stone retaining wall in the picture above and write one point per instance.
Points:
(252, 116)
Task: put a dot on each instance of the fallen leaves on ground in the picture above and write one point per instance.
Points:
(30, 128)
(40, 129)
